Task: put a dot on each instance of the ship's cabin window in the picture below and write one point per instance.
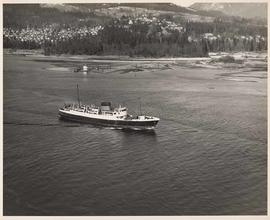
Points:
(108, 113)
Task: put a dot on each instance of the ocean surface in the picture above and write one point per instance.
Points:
(207, 156)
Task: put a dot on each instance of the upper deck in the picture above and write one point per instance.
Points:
(92, 111)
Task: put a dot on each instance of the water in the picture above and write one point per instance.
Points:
(207, 156)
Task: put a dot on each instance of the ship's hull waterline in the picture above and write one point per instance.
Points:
(132, 124)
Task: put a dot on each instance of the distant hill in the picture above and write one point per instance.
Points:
(245, 10)
(92, 14)
(137, 9)
(23, 15)
(150, 6)
(37, 15)
(162, 7)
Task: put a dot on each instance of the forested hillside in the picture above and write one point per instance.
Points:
(154, 30)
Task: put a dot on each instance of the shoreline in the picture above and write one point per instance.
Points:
(38, 53)
(261, 55)
(254, 61)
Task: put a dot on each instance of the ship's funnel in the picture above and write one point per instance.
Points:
(105, 106)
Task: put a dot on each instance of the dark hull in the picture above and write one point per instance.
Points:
(111, 123)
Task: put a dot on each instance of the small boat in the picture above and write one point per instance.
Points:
(106, 115)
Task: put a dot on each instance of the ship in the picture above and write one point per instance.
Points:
(106, 115)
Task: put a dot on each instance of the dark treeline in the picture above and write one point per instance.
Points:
(144, 40)
(148, 40)
(13, 43)
(220, 26)
(138, 40)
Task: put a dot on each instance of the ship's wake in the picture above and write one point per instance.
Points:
(39, 124)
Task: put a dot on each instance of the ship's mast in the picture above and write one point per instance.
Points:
(140, 106)
(78, 95)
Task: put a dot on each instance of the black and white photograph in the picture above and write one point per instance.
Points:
(135, 108)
